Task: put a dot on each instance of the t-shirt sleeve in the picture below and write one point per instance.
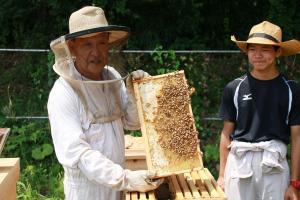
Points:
(294, 118)
(227, 109)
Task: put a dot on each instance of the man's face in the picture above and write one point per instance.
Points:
(91, 55)
(261, 57)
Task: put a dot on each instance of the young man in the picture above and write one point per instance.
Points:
(261, 113)
(89, 106)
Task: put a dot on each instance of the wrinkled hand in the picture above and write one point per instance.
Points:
(291, 194)
(135, 75)
(141, 180)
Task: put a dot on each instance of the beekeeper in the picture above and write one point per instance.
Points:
(88, 108)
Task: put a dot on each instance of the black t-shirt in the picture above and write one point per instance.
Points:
(262, 110)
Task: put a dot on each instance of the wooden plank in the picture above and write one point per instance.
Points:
(218, 188)
(127, 196)
(142, 196)
(135, 154)
(151, 195)
(185, 188)
(134, 196)
(135, 164)
(200, 184)
(208, 184)
(192, 186)
(4, 132)
(9, 175)
(175, 188)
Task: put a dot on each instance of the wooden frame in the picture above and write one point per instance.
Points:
(199, 184)
(158, 159)
(4, 132)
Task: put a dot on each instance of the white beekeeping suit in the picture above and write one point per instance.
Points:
(87, 119)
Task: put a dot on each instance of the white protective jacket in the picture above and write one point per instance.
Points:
(88, 136)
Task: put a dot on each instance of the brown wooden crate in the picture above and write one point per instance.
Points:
(165, 161)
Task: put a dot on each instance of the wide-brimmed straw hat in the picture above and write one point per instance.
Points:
(268, 34)
(89, 21)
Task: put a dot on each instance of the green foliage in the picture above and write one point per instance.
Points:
(40, 153)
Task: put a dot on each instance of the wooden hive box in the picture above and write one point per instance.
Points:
(9, 175)
(167, 124)
(135, 156)
(197, 185)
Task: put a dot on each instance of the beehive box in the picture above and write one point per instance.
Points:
(167, 124)
(197, 185)
(9, 175)
(135, 156)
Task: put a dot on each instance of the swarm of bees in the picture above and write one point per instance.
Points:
(173, 120)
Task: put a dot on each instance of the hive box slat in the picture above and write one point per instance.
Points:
(196, 185)
(4, 132)
(9, 175)
(192, 186)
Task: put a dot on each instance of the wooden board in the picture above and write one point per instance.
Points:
(3, 136)
(199, 184)
(135, 156)
(140, 195)
(9, 175)
(167, 124)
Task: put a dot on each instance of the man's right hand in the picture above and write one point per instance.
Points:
(141, 181)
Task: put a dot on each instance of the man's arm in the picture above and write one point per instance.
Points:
(291, 192)
(228, 128)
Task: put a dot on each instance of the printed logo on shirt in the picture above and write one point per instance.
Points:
(247, 97)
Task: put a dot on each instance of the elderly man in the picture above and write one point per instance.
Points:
(261, 115)
(88, 108)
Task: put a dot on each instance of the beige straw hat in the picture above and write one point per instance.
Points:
(269, 34)
(91, 20)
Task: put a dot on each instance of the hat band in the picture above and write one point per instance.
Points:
(263, 35)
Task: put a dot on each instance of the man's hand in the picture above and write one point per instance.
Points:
(135, 75)
(291, 194)
(141, 180)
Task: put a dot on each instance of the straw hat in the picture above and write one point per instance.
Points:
(268, 34)
(91, 20)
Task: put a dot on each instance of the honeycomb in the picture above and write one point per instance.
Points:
(167, 123)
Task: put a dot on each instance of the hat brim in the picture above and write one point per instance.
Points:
(288, 48)
(117, 34)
